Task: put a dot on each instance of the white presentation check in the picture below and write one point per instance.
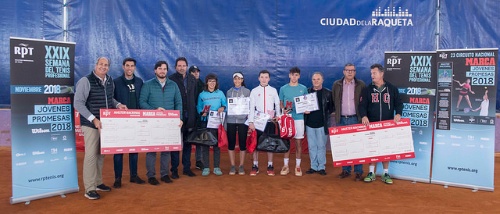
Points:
(133, 130)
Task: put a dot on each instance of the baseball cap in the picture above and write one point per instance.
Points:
(192, 68)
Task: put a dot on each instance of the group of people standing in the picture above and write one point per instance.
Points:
(350, 99)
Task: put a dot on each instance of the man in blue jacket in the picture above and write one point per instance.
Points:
(162, 94)
(127, 91)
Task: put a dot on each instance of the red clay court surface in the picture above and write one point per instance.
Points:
(259, 194)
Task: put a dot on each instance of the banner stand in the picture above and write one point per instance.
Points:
(42, 123)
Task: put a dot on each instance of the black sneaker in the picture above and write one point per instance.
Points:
(199, 165)
(175, 175)
(322, 172)
(136, 180)
(344, 174)
(153, 181)
(103, 188)
(118, 183)
(92, 195)
(359, 176)
(166, 179)
(189, 173)
(311, 171)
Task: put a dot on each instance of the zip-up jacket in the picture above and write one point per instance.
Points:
(264, 99)
(338, 90)
(232, 93)
(91, 95)
(381, 104)
(327, 105)
(154, 96)
(189, 97)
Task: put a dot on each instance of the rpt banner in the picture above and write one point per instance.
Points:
(43, 138)
(464, 153)
(414, 74)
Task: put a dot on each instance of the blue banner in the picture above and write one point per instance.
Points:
(465, 128)
(415, 76)
(43, 138)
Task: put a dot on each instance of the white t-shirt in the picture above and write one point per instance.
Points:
(485, 105)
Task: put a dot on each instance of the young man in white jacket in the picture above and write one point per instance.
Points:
(265, 100)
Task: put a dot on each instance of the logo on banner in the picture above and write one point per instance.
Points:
(106, 113)
(388, 17)
(394, 60)
(443, 55)
(24, 51)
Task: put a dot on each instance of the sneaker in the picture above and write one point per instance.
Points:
(206, 172)
(344, 174)
(153, 181)
(386, 178)
(118, 183)
(322, 172)
(255, 170)
(166, 179)
(358, 176)
(189, 173)
(92, 195)
(199, 165)
(232, 171)
(270, 170)
(370, 177)
(175, 175)
(103, 188)
(217, 171)
(298, 171)
(311, 171)
(285, 170)
(241, 171)
(137, 180)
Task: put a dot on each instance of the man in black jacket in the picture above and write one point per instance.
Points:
(200, 85)
(317, 125)
(380, 101)
(189, 92)
(127, 91)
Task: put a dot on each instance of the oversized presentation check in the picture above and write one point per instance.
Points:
(133, 130)
(380, 141)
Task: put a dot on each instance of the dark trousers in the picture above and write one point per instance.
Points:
(205, 152)
(186, 154)
(118, 164)
(241, 129)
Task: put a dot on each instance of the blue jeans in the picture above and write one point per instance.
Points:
(349, 121)
(132, 163)
(316, 140)
(151, 162)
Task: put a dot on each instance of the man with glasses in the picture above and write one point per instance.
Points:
(346, 93)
